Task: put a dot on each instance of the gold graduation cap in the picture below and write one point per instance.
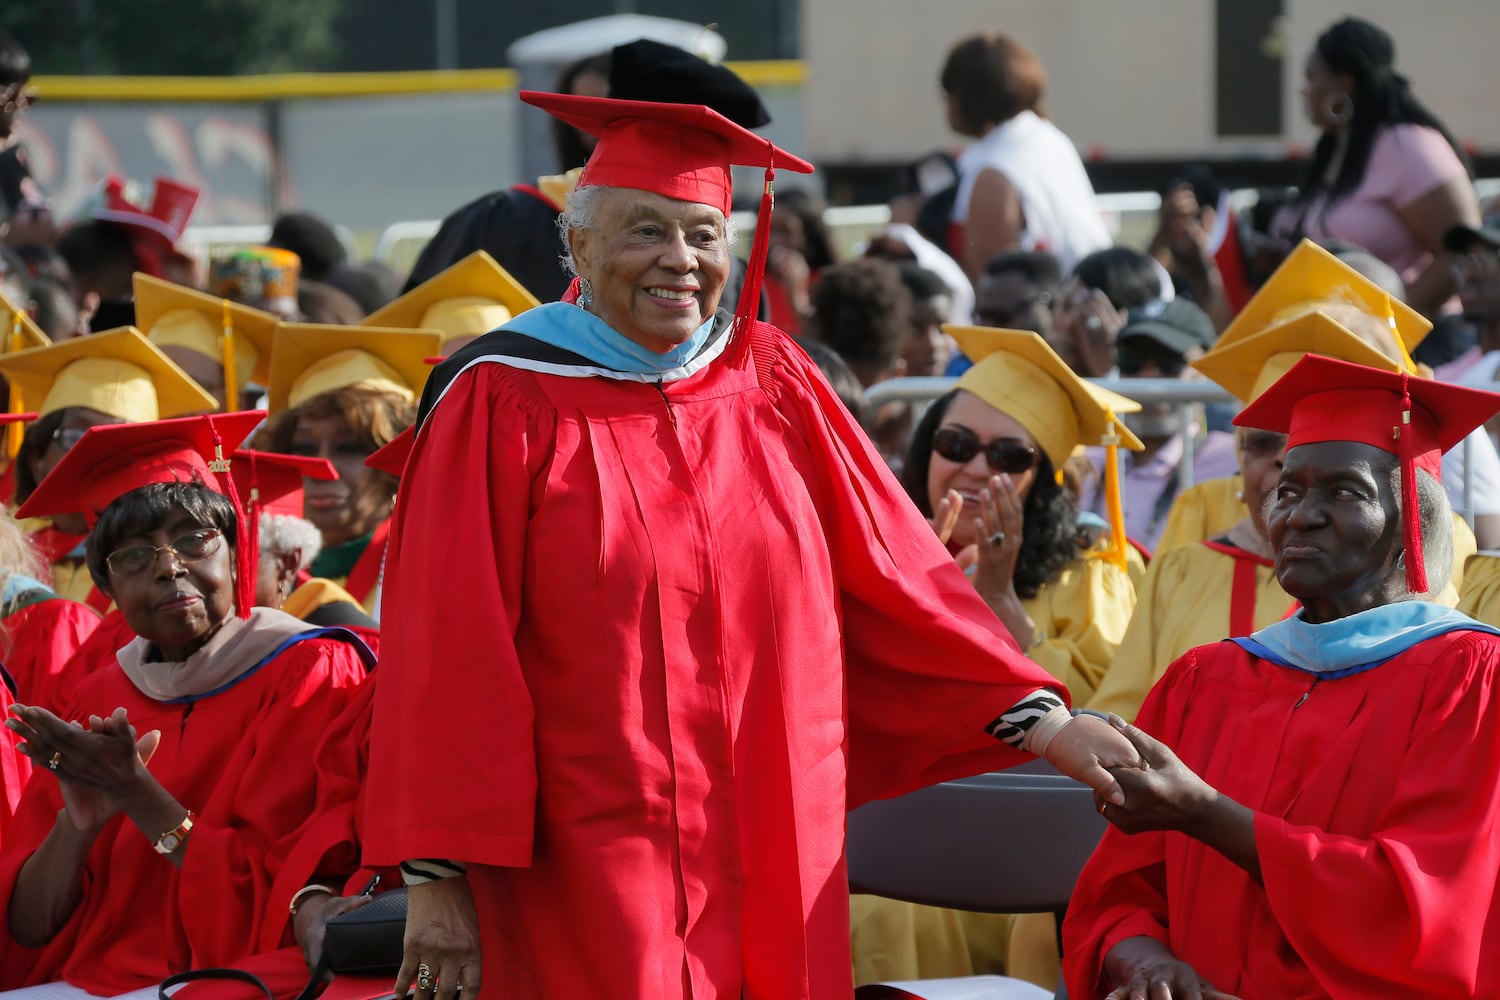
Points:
(474, 296)
(22, 333)
(171, 315)
(118, 372)
(1311, 275)
(309, 359)
(1250, 365)
(1017, 373)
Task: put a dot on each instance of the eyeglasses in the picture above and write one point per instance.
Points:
(1007, 455)
(136, 559)
(1134, 353)
(66, 437)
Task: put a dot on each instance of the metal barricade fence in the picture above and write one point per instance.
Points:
(1182, 394)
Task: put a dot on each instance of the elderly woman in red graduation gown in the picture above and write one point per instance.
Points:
(152, 830)
(656, 615)
(1327, 820)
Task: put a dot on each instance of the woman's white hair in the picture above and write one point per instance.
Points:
(582, 214)
(283, 533)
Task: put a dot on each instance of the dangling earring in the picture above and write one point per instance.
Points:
(1401, 560)
(585, 292)
(1340, 109)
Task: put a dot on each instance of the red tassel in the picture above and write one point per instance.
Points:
(247, 558)
(1411, 513)
(755, 272)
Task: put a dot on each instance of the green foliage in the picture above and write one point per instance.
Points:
(175, 37)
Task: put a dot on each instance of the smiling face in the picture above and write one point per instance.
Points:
(176, 603)
(342, 509)
(657, 265)
(1334, 526)
(988, 424)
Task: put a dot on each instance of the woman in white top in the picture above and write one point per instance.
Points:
(1021, 184)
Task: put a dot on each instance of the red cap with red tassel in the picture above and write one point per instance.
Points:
(1415, 419)
(112, 460)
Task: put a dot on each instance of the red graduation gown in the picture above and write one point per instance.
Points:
(642, 648)
(241, 760)
(1377, 823)
(43, 637)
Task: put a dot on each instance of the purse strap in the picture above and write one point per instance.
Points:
(199, 975)
(309, 991)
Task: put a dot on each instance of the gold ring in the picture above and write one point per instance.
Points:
(424, 977)
(1103, 806)
(56, 759)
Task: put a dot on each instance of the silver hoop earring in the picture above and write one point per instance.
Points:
(1340, 109)
(585, 292)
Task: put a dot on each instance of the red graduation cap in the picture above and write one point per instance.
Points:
(1322, 399)
(681, 151)
(391, 457)
(110, 461)
(269, 483)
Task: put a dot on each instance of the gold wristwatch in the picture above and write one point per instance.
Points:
(173, 838)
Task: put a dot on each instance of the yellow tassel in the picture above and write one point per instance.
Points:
(16, 431)
(1390, 318)
(1113, 504)
(226, 348)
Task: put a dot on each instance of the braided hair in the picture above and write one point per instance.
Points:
(1367, 55)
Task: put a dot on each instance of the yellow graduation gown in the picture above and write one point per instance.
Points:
(1080, 620)
(1480, 597)
(1184, 602)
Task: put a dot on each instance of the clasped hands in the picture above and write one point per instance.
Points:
(100, 766)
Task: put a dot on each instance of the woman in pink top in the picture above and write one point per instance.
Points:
(1386, 173)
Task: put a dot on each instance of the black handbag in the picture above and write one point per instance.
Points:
(366, 941)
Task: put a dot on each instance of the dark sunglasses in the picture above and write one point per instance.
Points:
(1007, 455)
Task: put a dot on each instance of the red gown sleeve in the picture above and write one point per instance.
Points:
(43, 639)
(1411, 909)
(449, 667)
(929, 664)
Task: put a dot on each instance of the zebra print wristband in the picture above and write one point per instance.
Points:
(1015, 722)
(424, 870)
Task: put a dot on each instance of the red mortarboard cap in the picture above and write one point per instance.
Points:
(391, 457)
(1321, 399)
(110, 461)
(680, 151)
(269, 483)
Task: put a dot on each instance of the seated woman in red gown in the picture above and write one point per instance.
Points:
(1325, 821)
(152, 845)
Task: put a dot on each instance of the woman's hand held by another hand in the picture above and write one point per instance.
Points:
(1090, 750)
